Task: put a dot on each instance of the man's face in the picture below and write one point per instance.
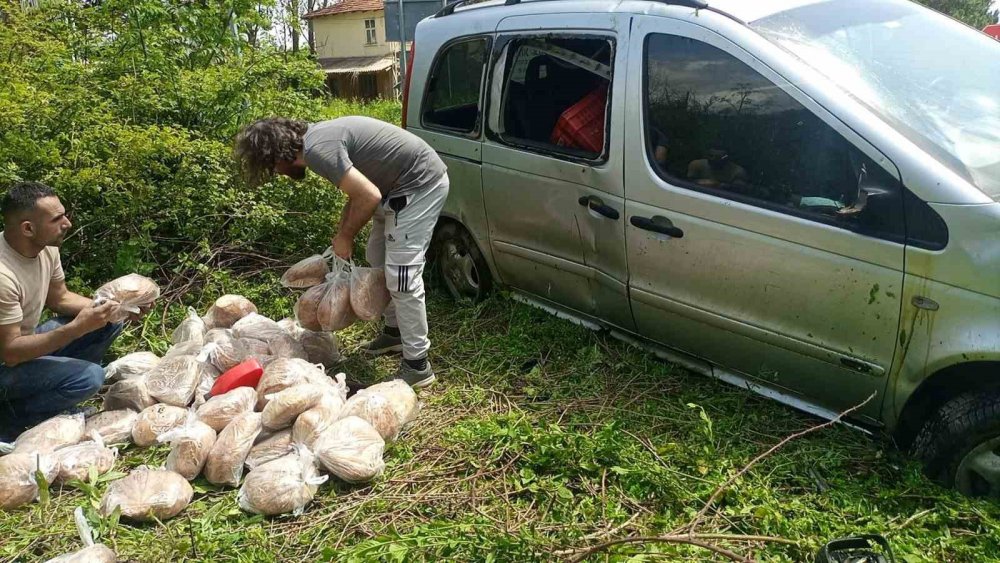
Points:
(717, 158)
(47, 224)
(294, 169)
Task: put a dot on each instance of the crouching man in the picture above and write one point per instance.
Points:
(392, 178)
(46, 369)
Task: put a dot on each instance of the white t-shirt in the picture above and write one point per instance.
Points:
(24, 284)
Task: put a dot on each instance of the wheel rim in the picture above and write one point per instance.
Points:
(459, 271)
(978, 473)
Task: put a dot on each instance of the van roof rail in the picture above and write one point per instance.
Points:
(696, 4)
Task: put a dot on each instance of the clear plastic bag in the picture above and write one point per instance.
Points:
(307, 307)
(183, 349)
(308, 271)
(76, 461)
(311, 424)
(257, 327)
(147, 494)
(284, 406)
(114, 427)
(92, 552)
(220, 410)
(129, 393)
(225, 461)
(375, 409)
(227, 310)
(270, 446)
(400, 395)
(285, 346)
(218, 335)
(283, 373)
(175, 380)
(285, 485)
(51, 434)
(156, 420)
(369, 294)
(191, 329)
(190, 445)
(351, 450)
(17, 477)
(136, 364)
(130, 293)
(335, 312)
(320, 347)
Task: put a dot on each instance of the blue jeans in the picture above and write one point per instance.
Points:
(38, 389)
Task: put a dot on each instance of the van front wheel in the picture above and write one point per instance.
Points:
(960, 444)
(460, 264)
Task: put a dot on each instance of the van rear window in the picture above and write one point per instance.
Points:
(454, 90)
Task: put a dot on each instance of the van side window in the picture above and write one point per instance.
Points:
(715, 125)
(454, 89)
(556, 91)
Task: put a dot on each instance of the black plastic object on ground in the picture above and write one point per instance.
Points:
(869, 548)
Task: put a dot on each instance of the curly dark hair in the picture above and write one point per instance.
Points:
(263, 143)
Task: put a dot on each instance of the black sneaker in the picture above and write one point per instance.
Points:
(414, 377)
(383, 344)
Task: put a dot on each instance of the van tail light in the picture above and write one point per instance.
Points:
(406, 80)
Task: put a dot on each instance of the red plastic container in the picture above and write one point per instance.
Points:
(581, 125)
(246, 374)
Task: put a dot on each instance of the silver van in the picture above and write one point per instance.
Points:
(796, 196)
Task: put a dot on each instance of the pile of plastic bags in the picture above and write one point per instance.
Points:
(278, 441)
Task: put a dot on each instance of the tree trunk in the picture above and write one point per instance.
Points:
(293, 23)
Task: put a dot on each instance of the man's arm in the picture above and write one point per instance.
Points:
(62, 301)
(363, 199)
(16, 348)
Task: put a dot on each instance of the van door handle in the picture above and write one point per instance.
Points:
(657, 224)
(598, 206)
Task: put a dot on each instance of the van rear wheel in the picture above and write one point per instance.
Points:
(460, 264)
(960, 444)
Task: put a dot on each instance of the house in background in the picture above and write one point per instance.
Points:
(351, 47)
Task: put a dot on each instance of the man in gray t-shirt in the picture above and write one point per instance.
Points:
(392, 178)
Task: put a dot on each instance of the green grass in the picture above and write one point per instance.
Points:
(540, 437)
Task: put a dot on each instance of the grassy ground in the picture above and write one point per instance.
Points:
(541, 437)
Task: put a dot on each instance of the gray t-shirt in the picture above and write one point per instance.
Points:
(395, 160)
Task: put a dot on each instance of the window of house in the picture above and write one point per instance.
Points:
(555, 94)
(714, 124)
(454, 90)
(370, 37)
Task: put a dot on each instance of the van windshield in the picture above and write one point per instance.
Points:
(933, 79)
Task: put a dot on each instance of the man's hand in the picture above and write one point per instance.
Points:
(94, 318)
(343, 246)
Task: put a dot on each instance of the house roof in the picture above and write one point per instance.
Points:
(346, 6)
(354, 65)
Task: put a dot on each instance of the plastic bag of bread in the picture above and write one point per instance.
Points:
(191, 329)
(283, 373)
(225, 354)
(50, 435)
(114, 427)
(285, 346)
(284, 406)
(376, 410)
(254, 348)
(308, 271)
(174, 380)
(92, 552)
(312, 423)
(369, 294)
(130, 292)
(189, 447)
(129, 393)
(400, 395)
(183, 349)
(335, 312)
(17, 477)
(225, 461)
(76, 461)
(320, 347)
(284, 485)
(218, 335)
(155, 420)
(201, 394)
(220, 410)
(227, 310)
(146, 493)
(258, 327)
(136, 364)
(307, 307)
(269, 446)
(351, 450)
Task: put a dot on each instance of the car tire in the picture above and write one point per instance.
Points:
(460, 265)
(960, 444)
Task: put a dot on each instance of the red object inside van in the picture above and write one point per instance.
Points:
(581, 125)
